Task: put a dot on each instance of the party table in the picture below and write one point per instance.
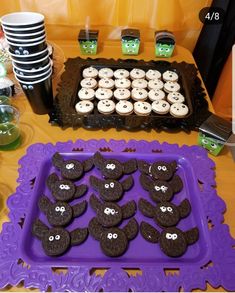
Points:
(37, 129)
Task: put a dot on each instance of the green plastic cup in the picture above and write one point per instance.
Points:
(10, 138)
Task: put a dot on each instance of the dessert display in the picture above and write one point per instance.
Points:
(150, 93)
(110, 203)
(115, 213)
(102, 93)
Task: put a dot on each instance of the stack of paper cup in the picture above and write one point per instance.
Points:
(25, 34)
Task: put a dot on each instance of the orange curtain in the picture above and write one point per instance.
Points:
(64, 18)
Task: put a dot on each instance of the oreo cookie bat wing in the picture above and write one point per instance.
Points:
(165, 214)
(146, 208)
(158, 170)
(110, 214)
(63, 189)
(110, 189)
(56, 241)
(176, 183)
(112, 168)
(71, 169)
(149, 233)
(173, 241)
(78, 236)
(60, 213)
(113, 241)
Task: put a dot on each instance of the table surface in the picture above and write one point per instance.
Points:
(35, 128)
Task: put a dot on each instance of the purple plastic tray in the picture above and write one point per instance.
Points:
(211, 259)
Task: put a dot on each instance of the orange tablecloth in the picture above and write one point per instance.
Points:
(36, 129)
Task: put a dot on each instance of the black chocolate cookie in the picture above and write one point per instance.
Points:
(165, 214)
(64, 190)
(113, 241)
(109, 189)
(161, 190)
(112, 168)
(71, 169)
(158, 190)
(110, 214)
(158, 170)
(173, 242)
(60, 213)
(56, 241)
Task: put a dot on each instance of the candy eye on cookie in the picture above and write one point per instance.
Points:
(163, 209)
(110, 166)
(113, 212)
(69, 166)
(109, 211)
(51, 238)
(64, 186)
(109, 185)
(112, 236)
(163, 168)
(162, 188)
(171, 236)
(60, 209)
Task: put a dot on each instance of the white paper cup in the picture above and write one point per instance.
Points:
(22, 19)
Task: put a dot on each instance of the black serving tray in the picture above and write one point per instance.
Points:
(64, 113)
